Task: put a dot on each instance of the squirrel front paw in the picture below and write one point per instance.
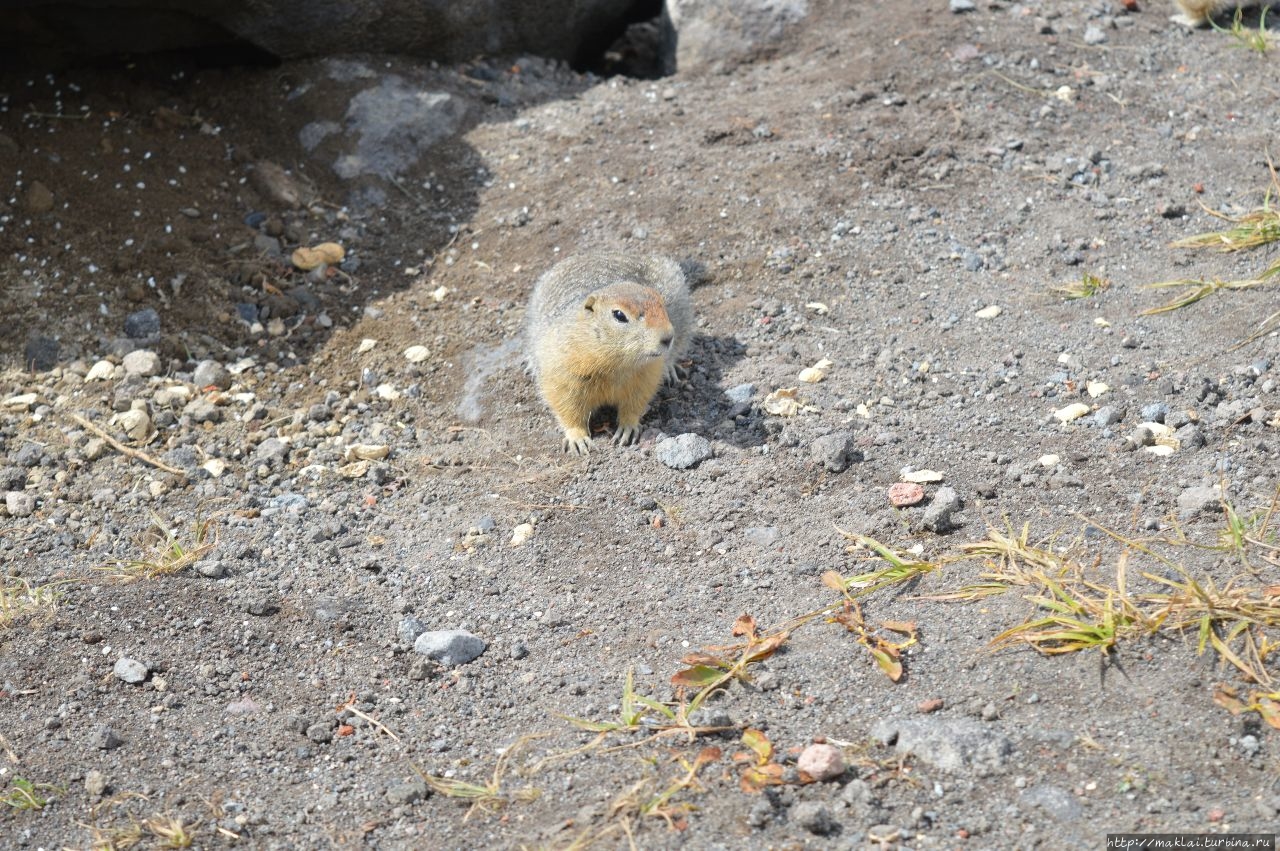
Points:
(577, 441)
(626, 435)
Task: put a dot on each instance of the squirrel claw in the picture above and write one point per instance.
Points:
(626, 435)
(577, 445)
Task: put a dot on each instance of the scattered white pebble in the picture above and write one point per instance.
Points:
(417, 354)
(989, 312)
(1096, 389)
(1071, 412)
(366, 345)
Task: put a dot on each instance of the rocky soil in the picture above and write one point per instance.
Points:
(349, 487)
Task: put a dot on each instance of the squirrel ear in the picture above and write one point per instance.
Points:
(589, 304)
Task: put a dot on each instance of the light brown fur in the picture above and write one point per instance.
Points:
(584, 357)
(1198, 13)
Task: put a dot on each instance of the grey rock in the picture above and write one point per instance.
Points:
(1201, 498)
(741, 394)
(19, 504)
(938, 516)
(407, 792)
(142, 362)
(1094, 35)
(710, 718)
(12, 478)
(684, 451)
(1054, 801)
(96, 783)
(40, 354)
(143, 324)
(409, 629)
(321, 732)
(273, 452)
(834, 451)
(450, 646)
(860, 797)
(952, 745)
(959, 7)
(813, 816)
(1190, 437)
(261, 605)
(210, 568)
(105, 739)
(1155, 412)
(202, 410)
(210, 373)
(761, 536)
(130, 671)
(29, 455)
(519, 650)
(395, 123)
(1107, 415)
(718, 34)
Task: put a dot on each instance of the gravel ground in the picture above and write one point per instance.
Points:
(350, 520)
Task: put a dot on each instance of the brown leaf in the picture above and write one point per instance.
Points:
(745, 625)
(904, 627)
(758, 742)
(1270, 711)
(755, 778)
(887, 662)
(703, 659)
(1225, 696)
(766, 648)
(698, 676)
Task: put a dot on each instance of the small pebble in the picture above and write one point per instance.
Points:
(450, 646)
(814, 817)
(130, 671)
(19, 504)
(821, 762)
(143, 324)
(682, 452)
(142, 362)
(903, 494)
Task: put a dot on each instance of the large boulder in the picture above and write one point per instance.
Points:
(36, 33)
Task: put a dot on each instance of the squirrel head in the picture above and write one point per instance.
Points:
(631, 319)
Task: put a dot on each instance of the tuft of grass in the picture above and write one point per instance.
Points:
(1258, 40)
(1088, 286)
(487, 797)
(1251, 229)
(1196, 290)
(165, 552)
(20, 601)
(22, 794)
(901, 569)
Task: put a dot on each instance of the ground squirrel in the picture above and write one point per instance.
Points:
(1199, 13)
(604, 329)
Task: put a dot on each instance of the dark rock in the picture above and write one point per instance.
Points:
(143, 324)
(40, 354)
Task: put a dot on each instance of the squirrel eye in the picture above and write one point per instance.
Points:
(620, 316)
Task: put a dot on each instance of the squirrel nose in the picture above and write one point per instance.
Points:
(666, 340)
